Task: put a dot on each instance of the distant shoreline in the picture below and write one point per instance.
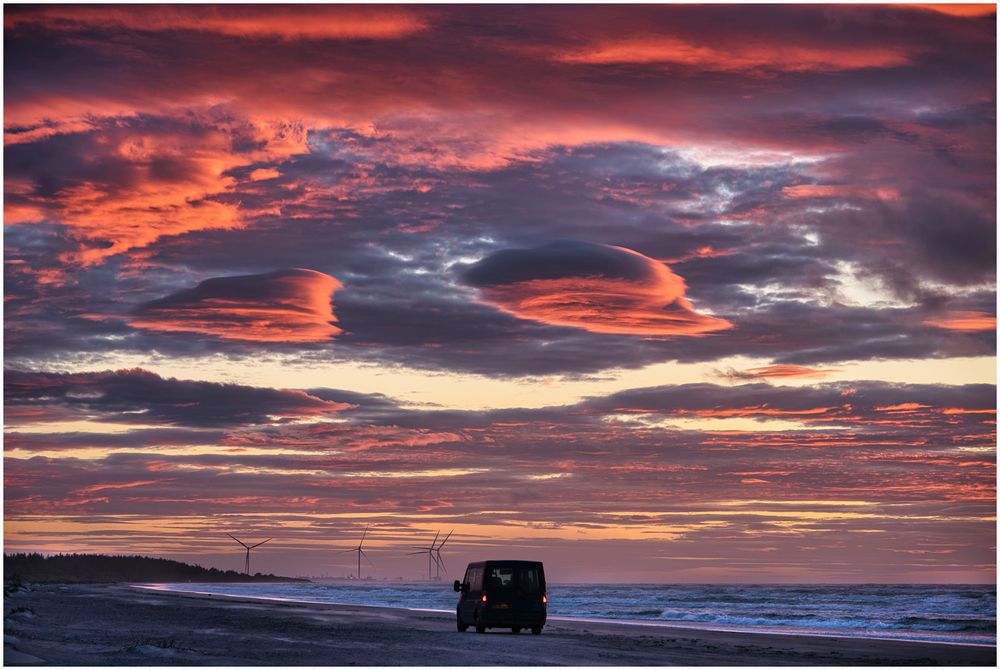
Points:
(685, 626)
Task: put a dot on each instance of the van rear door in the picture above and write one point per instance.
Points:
(529, 586)
(498, 584)
(514, 587)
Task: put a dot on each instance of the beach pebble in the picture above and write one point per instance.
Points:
(10, 639)
(22, 616)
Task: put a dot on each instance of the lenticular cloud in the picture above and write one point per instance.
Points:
(281, 306)
(596, 287)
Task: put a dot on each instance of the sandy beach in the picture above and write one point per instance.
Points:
(123, 625)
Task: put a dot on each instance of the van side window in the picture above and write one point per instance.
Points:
(529, 582)
(475, 579)
(501, 578)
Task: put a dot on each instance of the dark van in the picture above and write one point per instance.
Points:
(502, 594)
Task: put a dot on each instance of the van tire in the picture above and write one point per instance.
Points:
(462, 627)
(480, 626)
(536, 630)
(515, 630)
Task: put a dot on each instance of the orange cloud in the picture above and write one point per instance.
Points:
(599, 288)
(736, 57)
(759, 410)
(256, 21)
(281, 306)
(965, 321)
(840, 191)
(136, 181)
(262, 174)
(780, 372)
(960, 9)
(707, 251)
(124, 485)
(902, 407)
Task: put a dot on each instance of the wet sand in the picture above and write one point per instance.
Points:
(122, 625)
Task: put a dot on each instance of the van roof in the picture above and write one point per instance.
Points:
(505, 561)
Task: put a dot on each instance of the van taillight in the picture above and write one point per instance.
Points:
(545, 599)
(484, 597)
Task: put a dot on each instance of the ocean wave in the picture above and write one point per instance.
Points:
(933, 613)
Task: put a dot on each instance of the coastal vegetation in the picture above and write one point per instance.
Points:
(101, 568)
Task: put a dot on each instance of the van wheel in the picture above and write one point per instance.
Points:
(515, 630)
(462, 627)
(480, 626)
(536, 630)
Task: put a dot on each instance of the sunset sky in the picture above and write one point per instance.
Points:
(650, 293)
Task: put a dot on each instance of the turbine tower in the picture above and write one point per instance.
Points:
(360, 551)
(430, 555)
(437, 554)
(248, 548)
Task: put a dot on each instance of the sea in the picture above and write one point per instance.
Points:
(931, 613)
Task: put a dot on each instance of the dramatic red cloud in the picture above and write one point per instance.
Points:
(803, 191)
(743, 58)
(254, 21)
(965, 321)
(960, 9)
(903, 407)
(94, 488)
(599, 288)
(263, 174)
(501, 102)
(135, 181)
(761, 410)
(706, 251)
(281, 306)
(960, 410)
(782, 371)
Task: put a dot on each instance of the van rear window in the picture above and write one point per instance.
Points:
(475, 579)
(501, 578)
(529, 581)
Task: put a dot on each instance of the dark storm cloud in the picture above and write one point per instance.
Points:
(840, 402)
(138, 439)
(556, 260)
(137, 396)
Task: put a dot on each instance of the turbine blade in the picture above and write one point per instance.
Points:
(367, 559)
(363, 535)
(237, 540)
(260, 543)
(440, 561)
(444, 540)
(435, 539)
(414, 553)
(344, 551)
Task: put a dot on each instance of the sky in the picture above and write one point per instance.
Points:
(650, 293)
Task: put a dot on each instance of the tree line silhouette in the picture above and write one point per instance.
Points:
(91, 568)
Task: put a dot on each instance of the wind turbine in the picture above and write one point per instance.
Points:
(248, 548)
(430, 555)
(437, 552)
(360, 551)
